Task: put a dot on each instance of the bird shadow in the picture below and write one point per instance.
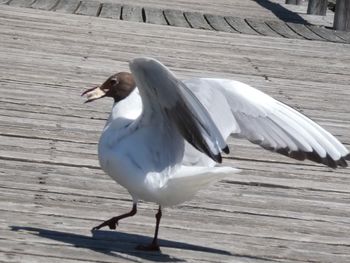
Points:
(118, 244)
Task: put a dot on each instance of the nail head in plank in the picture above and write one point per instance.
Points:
(302, 30)
(240, 25)
(132, 13)
(111, 10)
(262, 28)
(66, 6)
(88, 8)
(197, 20)
(155, 16)
(21, 3)
(176, 18)
(219, 23)
(326, 33)
(44, 4)
(282, 29)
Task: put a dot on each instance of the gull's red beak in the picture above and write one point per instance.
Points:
(93, 94)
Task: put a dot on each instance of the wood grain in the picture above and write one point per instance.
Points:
(21, 3)
(240, 25)
(44, 4)
(219, 23)
(67, 6)
(132, 13)
(342, 16)
(175, 18)
(88, 8)
(53, 191)
(155, 16)
(197, 20)
(110, 10)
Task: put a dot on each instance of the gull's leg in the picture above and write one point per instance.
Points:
(113, 222)
(154, 246)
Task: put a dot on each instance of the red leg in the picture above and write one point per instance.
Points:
(113, 222)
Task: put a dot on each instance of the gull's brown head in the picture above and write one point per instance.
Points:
(117, 86)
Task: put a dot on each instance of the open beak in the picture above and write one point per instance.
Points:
(93, 94)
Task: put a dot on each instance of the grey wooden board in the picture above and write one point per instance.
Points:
(197, 20)
(304, 31)
(132, 13)
(344, 35)
(219, 23)
(67, 6)
(88, 8)
(282, 29)
(110, 10)
(262, 28)
(4, 1)
(44, 4)
(327, 34)
(194, 19)
(52, 191)
(21, 3)
(240, 25)
(155, 16)
(175, 18)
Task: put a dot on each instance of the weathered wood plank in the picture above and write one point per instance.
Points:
(175, 18)
(88, 8)
(342, 15)
(317, 7)
(21, 3)
(327, 34)
(132, 13)
(155, 16)
(67, 6)
(219, 23)
(262, 28)
(304, 31)
(282, 29)
(44, 4)
(344, 35)
(240, 25)
(197, 20)
(294, 2)
(111, 10)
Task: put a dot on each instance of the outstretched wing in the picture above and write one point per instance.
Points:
(268, 122)
(165, 96)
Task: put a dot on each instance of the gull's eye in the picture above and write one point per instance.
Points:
(113, 81)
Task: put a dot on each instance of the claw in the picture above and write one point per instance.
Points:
(111, 223)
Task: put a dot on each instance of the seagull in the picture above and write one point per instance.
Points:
(164, 137)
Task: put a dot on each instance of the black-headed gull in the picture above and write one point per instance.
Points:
(164, 136)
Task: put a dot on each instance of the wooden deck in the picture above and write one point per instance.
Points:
(263, 17)
(53, 192)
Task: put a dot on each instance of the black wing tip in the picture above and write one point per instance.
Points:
(347, 157)
(216, 157)
(226, 149)
(315, 157)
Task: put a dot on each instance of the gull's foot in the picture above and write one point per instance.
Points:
(111, 223)
(150, 247)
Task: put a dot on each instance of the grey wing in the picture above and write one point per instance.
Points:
(162, 93)
(267, 122)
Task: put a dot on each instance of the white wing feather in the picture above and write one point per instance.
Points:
(251, 114)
